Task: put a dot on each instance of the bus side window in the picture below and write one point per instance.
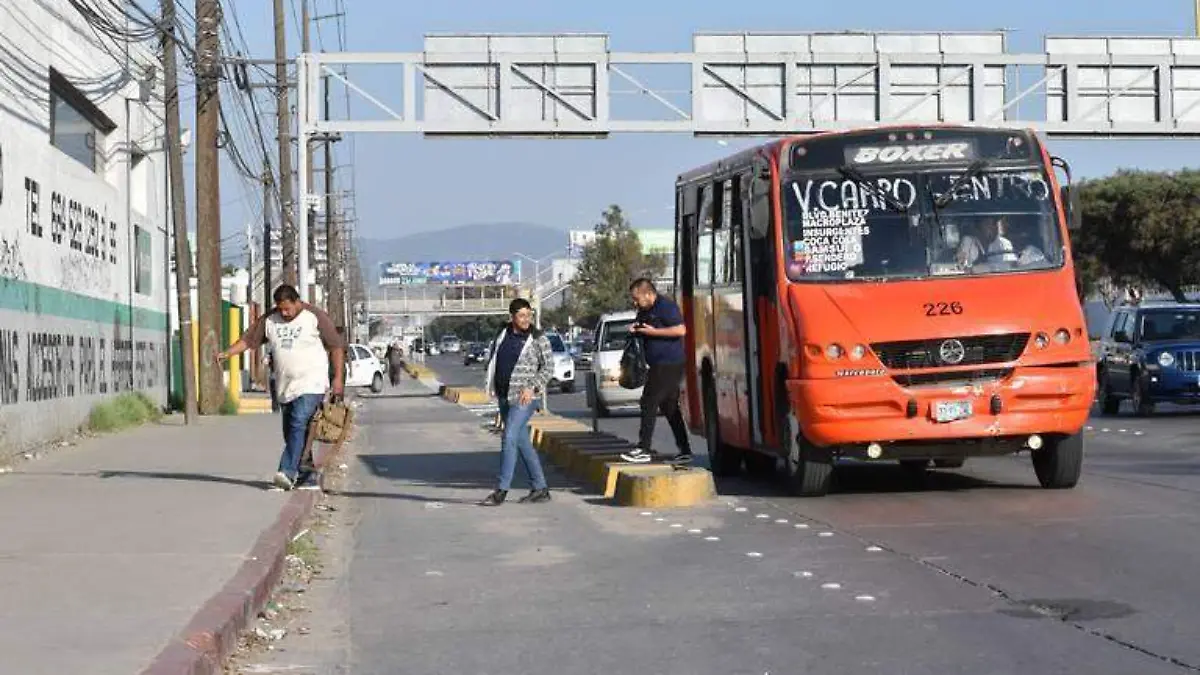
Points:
(720, 235)
(737, 233)
(704, 239)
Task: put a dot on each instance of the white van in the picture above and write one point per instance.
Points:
(604, 391)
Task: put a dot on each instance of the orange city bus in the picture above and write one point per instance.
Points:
(901, 293)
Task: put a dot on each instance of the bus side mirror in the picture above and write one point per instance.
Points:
(1070, 200)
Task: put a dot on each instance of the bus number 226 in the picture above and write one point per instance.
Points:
(943, 308)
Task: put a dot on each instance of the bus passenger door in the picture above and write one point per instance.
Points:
(686, 210)
(729, 335)
(757, 280)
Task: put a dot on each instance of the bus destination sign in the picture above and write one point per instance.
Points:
(912, 153)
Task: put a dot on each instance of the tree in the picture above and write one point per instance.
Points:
(610, 262)
(1140, 227)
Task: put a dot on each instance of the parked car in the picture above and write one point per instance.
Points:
(564, 365)
(364, 369)
(604, 391)
(476, 352)
(1150, 354)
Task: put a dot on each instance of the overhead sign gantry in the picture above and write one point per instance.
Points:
(751, 84)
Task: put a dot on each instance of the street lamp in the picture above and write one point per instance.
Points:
(537, 281)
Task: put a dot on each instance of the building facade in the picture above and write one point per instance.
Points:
(83, 245)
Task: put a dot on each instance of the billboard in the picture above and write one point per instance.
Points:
(486, 272)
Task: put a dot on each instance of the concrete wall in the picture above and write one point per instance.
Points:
(82, 297)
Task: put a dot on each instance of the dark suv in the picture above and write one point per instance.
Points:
(1150, 354)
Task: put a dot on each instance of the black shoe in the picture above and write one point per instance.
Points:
(681, 458)
(536, 496)
(495, 499)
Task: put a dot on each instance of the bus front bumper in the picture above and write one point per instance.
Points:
(1028, 400)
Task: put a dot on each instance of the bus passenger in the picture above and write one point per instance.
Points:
(660, 322)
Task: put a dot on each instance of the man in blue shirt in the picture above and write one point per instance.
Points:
(660, 324)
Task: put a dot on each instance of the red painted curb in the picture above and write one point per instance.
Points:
(212, 635)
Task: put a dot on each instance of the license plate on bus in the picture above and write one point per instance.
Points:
(950, 411)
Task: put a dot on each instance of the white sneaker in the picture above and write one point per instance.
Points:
(637, 456)
(282, 481)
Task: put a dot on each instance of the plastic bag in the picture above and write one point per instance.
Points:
(633, 363)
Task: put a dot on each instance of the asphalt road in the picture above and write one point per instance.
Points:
(1111, 557)
(969, 571)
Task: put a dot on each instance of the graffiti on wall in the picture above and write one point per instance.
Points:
(86, 233)
(62, 365)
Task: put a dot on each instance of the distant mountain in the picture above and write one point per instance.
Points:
(481, 241)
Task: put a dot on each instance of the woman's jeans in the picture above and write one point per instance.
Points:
(517, 441)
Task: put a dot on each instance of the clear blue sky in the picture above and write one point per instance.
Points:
(408, 184)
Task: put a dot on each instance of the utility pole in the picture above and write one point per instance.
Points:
(183, 256)
(267, 289)
(208, 203)
(310, 213)
(287, 208)
(334, 265)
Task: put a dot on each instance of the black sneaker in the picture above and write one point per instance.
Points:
(495, 499)
(681, 458)
(637, 456)
(536, 496)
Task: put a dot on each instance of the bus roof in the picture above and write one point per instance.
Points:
(773, 147)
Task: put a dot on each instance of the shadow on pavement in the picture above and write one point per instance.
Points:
(195, 477)
(851, 479)
(472, 470)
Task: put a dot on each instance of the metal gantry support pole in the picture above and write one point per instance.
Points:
(303, 132)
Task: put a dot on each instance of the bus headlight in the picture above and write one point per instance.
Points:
(834, 352)
(1166, 360)
(1041, 340)
(1062, 336)
(857, 352)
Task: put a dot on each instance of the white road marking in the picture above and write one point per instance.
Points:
(825, 534)
(831, 586)
(865, 598)
(712, 539)
(695, 531)
(874, 549)
(801, 526)
(753, 554)
(803, 575)
(781, 521)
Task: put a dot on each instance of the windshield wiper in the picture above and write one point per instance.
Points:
(972, 171)
(855, 175)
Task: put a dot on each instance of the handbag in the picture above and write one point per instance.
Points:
(330, 424)
(633, 363)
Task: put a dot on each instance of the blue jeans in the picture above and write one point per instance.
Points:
(517, 440)
(296, 416)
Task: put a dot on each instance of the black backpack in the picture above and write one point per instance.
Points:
(633, 363)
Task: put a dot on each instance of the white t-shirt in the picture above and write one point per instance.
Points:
(999, 250)
(298, 351)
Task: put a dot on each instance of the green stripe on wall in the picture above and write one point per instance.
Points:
(23, 296)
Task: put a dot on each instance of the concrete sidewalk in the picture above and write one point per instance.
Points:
(109, 550)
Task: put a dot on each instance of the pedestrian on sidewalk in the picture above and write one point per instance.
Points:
(520, 368)
(660, 323)
(304, 342)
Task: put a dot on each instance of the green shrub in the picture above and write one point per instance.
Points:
(123, 411)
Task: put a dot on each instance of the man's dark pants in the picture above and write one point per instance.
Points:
(661, 394)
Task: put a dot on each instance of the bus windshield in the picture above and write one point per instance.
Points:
(909, 222)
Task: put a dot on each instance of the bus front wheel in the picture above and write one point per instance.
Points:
(1059, 463)
(809, 471)
(723, 460)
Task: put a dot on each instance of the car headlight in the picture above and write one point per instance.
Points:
(1166, 359)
